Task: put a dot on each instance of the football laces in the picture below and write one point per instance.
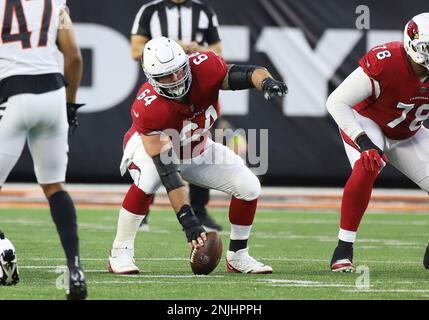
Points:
(193, 252)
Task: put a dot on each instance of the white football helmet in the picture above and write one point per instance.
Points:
(416, 39)
(163, 57)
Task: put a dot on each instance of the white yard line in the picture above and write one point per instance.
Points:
(322, 285)
(179, 276)
(388, 291)
(417, 261)
(182, 281)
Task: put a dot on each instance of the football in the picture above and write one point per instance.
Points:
(205, 259)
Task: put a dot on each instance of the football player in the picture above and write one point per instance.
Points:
(181, 95)
(35, 106)
(380, 109)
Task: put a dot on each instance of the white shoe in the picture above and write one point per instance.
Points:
(121, 261)
(9, 274)
(144, 227)
(241, 262)
(343, 265)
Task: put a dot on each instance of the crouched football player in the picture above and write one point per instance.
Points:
(380, 109)
(182, 95)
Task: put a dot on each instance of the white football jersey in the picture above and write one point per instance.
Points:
(28, 37)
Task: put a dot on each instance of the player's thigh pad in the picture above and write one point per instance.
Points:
(48, 134)
(143, 171)
(13, 133)
(220, 168)
(411, 157)
(374, 133)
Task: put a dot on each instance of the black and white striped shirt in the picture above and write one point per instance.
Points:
(188, 21)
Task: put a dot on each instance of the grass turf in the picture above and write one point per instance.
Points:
(297, 245)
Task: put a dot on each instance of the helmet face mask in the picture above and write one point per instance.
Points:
(166, 85)
(422, 50)
(416, 39)
(167, 68)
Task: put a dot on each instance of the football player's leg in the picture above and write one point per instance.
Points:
(222, 169)
(355, 200)
(12, 135)
(48, 144)
(12, 140)
(134, 208)
(411, 157)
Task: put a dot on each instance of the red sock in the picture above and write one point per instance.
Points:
(242, 212)
(136, 201)
(356, 196)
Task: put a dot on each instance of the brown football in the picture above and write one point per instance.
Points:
(205, 259)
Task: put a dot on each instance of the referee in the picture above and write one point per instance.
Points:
(194, 26)
(191, 23)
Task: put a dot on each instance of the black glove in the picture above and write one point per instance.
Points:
(190, 223)
(273, 88)
(72, 115)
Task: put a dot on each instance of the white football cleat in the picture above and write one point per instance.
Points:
(144, 225)
(343, 265)
(121, 261)
(9, 273)
(241, 262)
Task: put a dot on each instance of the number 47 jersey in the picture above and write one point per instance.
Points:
(190, 121)
(28, 37)
(400, 100)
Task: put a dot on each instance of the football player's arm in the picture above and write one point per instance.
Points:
(140, 32)
(138, 43)
(241, 77)
(159, 149)
(357, 87)
(73, 63)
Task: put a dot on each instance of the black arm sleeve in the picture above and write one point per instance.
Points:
(168, 171)
(240, 76)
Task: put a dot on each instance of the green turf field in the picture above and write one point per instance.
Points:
(297, 245)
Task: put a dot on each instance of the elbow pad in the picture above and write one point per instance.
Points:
(169, 173)
(240, 76)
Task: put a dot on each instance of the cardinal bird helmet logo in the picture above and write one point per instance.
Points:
(413, 30)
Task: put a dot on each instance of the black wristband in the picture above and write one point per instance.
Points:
(364, 143)
(267, 82)
(187, 217)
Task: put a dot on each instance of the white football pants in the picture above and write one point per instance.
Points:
(410, 156)
(217, 167)
(41, 120)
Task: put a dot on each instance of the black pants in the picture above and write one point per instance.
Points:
(199, 197)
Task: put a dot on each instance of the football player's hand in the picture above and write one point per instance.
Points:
(194, 231)
(273, 88)
(372, 157)
(72, 115)
(196, 237)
